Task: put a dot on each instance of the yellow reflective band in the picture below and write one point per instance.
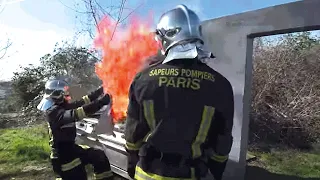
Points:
(137, 145)
(148, 109)
(141, 175)
(207, 116)
(86, 99)
(51, 141)
(145, 139)
(193, 172)
(103, 175)
(66, 167)
(50, 135)
(80, 113)
(84, 146)
(53, 155)
(219, 158)
(132, 146)
(58, 178)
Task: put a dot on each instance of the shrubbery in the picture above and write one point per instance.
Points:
(286, 91)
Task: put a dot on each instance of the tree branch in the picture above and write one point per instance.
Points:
(119, 17)
(95, 11)
(73, 9)
(4, 49)
(94, 15)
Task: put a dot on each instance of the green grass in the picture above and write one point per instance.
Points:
(22, 149)
(290, 162)
(24, 154)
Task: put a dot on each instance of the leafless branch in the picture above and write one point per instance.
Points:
(103, 10)
(2, 7)
(129, 14)
(4, 48)
(93, 12)
(73, 9)
(119, 17)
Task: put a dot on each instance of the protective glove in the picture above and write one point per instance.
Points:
(95, 94)
(105, 100)
(133, 159)
(131, 172)
(96, 105)
(217, 169)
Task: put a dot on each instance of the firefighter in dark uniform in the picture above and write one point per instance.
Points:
(180, 112)
(153, 60)
(69, 159)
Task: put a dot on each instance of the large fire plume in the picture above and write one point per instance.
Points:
(124, 52)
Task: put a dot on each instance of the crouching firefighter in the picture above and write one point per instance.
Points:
(180, 112)
(69, 159)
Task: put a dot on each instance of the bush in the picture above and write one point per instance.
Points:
(76, 65)
(286, 91)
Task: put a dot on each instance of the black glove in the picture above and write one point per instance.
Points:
(133, 159)
(95, 94)
(131, 171)
(217, 169)
(105, 100)
(96, 105)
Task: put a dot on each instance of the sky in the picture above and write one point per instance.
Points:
(35, 26)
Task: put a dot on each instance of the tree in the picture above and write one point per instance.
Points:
(75, 64)
(27, 84)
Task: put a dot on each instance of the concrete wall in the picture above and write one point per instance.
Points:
(230, 38)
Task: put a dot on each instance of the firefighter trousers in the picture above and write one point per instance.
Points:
(154, 165)
(69, 163)
(159, 170)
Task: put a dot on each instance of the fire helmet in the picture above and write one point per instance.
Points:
(56, 91)
(177, 26)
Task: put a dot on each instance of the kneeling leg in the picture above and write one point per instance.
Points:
(73, 170)
(100, 163)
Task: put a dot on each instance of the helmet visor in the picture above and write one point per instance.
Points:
(45, 104)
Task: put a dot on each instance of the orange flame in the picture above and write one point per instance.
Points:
(124, 53)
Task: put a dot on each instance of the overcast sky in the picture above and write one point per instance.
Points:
(35, 26)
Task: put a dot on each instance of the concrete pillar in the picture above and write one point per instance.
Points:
(230, 38)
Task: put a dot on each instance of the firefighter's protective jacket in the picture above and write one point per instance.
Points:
(61, 118)
(153, 60)
(180, 107)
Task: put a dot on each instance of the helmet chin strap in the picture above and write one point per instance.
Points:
(59, 100)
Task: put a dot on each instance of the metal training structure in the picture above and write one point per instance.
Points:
(230, 38)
